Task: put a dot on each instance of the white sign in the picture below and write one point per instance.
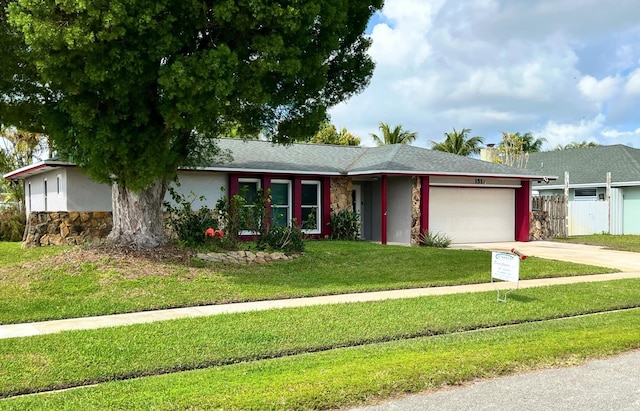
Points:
(505, 266)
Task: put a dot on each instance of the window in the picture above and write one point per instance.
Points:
(585, 194)
(311, 207)
(29, 195)
(249, 189)
(59, 185)
(281, 202)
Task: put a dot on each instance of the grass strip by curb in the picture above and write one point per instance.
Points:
(355, 375)
(84, 357)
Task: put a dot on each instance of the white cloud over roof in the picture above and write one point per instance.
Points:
(566, 70)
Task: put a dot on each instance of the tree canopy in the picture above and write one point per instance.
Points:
(459, 142)
(329, 134)
(131, 89)
(397, 135)
(525, 142)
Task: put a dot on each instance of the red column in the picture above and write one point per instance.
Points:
(424, 204)
(326, 207)
(383, 234)
(523, 201)
(297, 200)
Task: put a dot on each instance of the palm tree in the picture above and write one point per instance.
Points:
(457, 142)
(530, 144)
(396, 136)
(582, 144)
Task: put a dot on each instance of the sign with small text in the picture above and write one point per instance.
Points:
(505, 266)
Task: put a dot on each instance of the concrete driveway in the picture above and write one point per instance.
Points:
(575, 253)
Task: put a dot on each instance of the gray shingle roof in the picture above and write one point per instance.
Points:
(589, 165)
(262, 156)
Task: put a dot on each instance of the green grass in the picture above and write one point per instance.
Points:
(85, 357)
(626, 242)
(36, 286)
(12, 254)
(355, 375)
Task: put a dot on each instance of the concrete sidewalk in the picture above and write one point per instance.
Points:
(86, 323)
(629, 263)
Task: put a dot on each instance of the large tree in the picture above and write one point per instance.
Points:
(458, 142)
(132, 89)
(397, 135)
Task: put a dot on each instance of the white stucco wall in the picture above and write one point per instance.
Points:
(68, 189)
(200, 183)
(84, 194)
(46, 191)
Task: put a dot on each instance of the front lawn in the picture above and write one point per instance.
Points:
(320, 357)
(627, 242)
(51, 283)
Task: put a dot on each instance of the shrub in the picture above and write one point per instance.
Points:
(431, 239)
(345, 225)
(284, 239)
(189, 226)
(12, 224)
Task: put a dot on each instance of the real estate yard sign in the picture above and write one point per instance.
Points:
(505, 267)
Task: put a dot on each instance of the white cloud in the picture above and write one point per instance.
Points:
(565, 133)
(599, 91)
(566, 70)
(633, 83)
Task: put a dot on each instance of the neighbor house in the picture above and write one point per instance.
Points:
(602, 184)
(399, 191)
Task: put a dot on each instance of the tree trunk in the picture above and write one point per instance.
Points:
(137, 216)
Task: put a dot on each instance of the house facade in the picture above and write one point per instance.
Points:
(399, 191)
(602, 185)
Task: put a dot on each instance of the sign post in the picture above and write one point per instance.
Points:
(505, 267)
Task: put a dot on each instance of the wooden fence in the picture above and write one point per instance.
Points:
(556, 209)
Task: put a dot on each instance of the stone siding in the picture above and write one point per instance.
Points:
(66, 228)
(246, 257)
(340, 199)
(416, 192)
(539, 226)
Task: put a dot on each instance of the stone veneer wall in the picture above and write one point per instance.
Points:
(539, 226)
(66, 228)
(341, 194)
(415, 209)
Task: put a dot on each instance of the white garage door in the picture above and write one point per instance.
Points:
(473, 215)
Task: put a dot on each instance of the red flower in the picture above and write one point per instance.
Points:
(218, 233)
(209, 232)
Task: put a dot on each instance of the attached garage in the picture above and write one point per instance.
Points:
(468, 215)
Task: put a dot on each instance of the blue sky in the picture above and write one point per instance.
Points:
(566, 70)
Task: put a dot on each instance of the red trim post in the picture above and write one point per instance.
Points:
(297, 200)
(383, 233)
(234, 186)
(424, 204)
(523, 200)
(326, 207)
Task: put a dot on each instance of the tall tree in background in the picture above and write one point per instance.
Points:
(131, 89)
(459, 142)
(328, 134)
(514, 148)
(397, 135)
(530, 144)
(582, 144)
(18, 148)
